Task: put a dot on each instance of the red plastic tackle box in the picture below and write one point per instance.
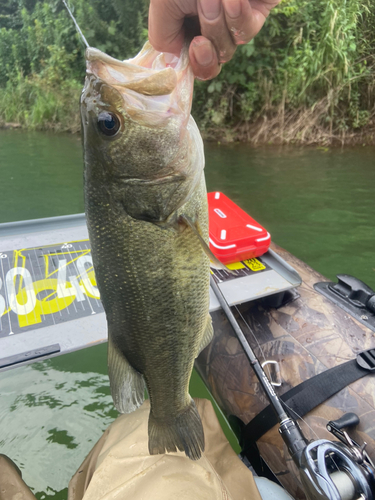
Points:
(234, 235)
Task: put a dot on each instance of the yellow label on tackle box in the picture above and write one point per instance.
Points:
(235, 266)
(254, 264)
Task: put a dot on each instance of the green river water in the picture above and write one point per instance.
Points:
(317, 203)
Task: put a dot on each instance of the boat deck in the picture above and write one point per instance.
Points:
(49, 302)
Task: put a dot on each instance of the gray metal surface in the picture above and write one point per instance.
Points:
(36, 232)
(48, 295)
(71, 336)
(254, 287)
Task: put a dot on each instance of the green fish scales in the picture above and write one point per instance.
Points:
(143, 179)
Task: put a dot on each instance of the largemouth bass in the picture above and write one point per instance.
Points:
(146, 207)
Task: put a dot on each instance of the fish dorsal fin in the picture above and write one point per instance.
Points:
(184, 219)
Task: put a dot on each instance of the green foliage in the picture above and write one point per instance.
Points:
(312, 64)
(42, 58)
(34, 103)
(307, 53)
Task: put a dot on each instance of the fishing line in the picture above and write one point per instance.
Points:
(76, 25)
(302, 419)
(311, 429)
(256, 340)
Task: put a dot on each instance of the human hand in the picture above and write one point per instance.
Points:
(224, 24)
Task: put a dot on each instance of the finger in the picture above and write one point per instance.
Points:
(203, 58)
(214, 27)
(242, 21)
(165, 24)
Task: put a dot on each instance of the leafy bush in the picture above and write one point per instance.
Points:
(42, 59)
(307, 77)
(312, 60)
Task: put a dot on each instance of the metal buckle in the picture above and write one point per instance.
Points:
(366, 359)
(277, 373)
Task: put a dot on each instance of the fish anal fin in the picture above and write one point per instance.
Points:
(127, 385)
(184, 219)
(207, 335)
(184, 433)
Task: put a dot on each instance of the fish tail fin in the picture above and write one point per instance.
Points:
(184, 433)
(127, 385)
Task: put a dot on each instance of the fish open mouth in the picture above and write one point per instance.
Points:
(157, 157)
(151, 81)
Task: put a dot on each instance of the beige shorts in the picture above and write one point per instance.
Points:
(119, 467)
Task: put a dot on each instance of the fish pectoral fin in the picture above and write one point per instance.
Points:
(207, 335)
(184, 219)
(127, 385)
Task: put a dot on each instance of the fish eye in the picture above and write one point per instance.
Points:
(108, 123)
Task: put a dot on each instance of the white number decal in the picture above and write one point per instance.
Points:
(3, 256)
(91, 289)
(2, 301)
(29, 305)
(79, 289)
(75, 290)
(67, 245)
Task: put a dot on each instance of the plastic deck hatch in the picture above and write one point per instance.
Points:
(234, 235)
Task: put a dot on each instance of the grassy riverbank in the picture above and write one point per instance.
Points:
(307, 78)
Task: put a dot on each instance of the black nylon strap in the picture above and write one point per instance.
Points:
(304, 398)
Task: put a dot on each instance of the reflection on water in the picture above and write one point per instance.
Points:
(318, 204)
(50, 418)
(40, 175)
(52, 413)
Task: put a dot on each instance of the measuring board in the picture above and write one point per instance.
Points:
(45, 286)
(49, 300)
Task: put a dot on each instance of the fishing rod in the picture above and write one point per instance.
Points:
(328, 470)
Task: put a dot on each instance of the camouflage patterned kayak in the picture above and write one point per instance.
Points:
(305, 337)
